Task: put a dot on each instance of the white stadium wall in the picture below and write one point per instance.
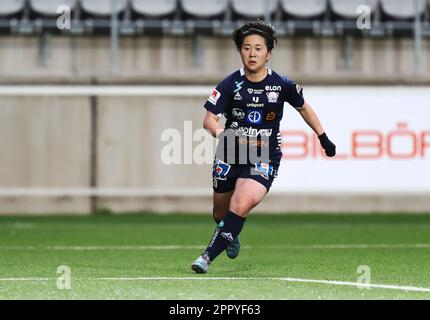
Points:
(185, 60)
(53, 161)
(382, 136)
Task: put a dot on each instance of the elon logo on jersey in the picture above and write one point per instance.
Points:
(254, 117)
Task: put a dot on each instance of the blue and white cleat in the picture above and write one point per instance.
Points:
(233, 248)
(200, 265)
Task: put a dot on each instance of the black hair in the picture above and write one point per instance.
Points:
(255, 27)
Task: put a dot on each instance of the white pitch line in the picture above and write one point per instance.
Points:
(27, 279)
(196, 247)
(354, 246)
(203, 278)
(97, 248)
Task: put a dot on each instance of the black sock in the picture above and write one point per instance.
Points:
(228, 229)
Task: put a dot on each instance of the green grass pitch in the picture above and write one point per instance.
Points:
(145, 256)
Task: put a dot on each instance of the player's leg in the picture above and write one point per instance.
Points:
(247, 194)
(224, 179)
(221, 205)
(252, 184)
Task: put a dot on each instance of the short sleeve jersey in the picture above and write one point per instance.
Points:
(255, 109)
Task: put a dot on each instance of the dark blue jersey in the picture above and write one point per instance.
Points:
(254, 109)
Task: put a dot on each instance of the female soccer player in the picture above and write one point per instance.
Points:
(248, 153)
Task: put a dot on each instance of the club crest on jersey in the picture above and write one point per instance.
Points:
(272, 97)
(214, 96)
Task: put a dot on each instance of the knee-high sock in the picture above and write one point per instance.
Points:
(228, 229)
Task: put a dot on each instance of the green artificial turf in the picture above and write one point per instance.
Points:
(144, 256)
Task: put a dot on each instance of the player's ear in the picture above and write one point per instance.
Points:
(269, 55)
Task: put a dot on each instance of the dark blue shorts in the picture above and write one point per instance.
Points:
(225, 175)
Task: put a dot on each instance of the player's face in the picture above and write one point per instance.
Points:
(254, 53)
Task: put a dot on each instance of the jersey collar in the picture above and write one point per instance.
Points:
(242, 71)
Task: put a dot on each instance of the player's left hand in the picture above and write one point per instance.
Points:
(328, 146)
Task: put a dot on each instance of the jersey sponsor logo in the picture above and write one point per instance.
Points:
(272, 96)
(238, 86)
(214, 96)
(271, 116)
(238, 113)
(253, 132)
(220, 169)
(254, 117)
(273, 88)
(255, 99)
(254, 142)
(255, 91)
(255, 105)
(238, 96)
(264, 169)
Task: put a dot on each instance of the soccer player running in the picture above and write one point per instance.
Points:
(251, 99)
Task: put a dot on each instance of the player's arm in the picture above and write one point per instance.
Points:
(308, 114)
(211, 123)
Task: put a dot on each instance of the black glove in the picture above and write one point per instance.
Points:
(328, 146)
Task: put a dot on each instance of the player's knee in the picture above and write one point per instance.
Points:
(242, 206)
